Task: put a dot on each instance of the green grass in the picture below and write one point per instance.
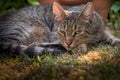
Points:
(102, 62)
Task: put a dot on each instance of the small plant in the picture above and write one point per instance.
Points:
(114, 15)
(10, 5)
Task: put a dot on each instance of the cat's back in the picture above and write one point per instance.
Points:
(31, 13)
(20, 24)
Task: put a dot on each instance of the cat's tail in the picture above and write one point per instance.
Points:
(31, 51)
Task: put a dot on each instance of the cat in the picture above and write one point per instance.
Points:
(52, 28)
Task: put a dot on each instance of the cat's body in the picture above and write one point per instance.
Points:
(31, 20)
(32, 29)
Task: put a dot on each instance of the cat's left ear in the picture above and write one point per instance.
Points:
(58, 11)
(87, 13)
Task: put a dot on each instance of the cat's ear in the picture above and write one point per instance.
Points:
(58, 11)
(87, 13)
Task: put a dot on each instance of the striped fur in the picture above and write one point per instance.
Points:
(33, 30)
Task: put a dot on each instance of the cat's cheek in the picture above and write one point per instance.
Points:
(62, 40)
(75, 43)
(64, 44)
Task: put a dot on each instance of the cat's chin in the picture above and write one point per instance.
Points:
(69, 48)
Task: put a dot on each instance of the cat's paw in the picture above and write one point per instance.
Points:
(114, 41)
(81, 49)
(117, 44)
(33, 51)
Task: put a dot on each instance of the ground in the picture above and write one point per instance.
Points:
(102, 62)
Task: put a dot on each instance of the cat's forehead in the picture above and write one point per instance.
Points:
(71, 22)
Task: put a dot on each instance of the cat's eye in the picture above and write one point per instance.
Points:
(63, 32)
(76, 33)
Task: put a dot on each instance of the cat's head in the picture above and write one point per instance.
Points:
(73, 28)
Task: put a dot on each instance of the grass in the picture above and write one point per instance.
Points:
(102, 62)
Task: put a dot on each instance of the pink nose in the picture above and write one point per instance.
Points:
(68, 42)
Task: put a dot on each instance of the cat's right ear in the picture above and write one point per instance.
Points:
(58, 11)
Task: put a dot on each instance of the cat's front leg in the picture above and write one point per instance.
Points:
(45, 44)
(49, 44)
(33, 51)
(80, 49)
(52, 45)
(111, 39)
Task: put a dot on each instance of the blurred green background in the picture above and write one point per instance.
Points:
(7, 6)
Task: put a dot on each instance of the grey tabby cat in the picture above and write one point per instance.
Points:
(33, 30)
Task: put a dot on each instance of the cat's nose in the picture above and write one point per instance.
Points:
(68, 42)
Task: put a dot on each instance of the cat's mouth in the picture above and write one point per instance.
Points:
(69, 47)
